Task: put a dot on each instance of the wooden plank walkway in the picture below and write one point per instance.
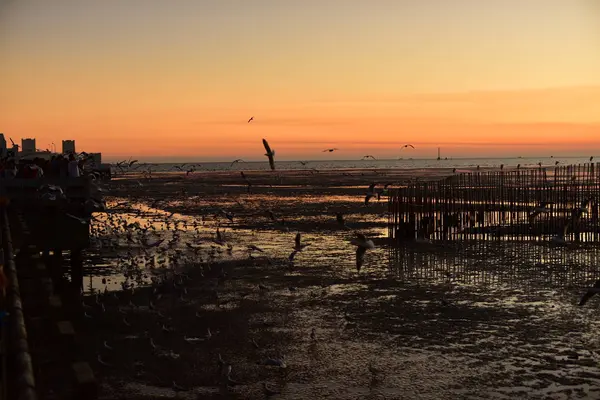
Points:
(49, 334)
(42, 353)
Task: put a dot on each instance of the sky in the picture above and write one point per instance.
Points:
(158, 79)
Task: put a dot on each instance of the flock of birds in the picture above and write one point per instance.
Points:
(160, 260)
(270, 153)
(154, 257)
(157, 252)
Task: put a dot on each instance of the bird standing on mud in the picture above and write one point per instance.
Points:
(341, 221)
(298, 245)
(370, 193)
(270, 154)
(560, 238)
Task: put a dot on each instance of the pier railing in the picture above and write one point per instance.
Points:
(499, 205)
(20, 382)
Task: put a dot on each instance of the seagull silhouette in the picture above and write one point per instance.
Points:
(370, 193)
(585, 204)
(363, 244)
(298, 246)
(176, 388)
(368, 156)
(330, 150)
(81, 220)
(590, 292)
(270, 154)
(541, 208)
(559, 239)
(251, 119)
(102, 362)
(407, 145)
(339, 217)
(268, 391)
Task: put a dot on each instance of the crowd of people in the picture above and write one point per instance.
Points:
(58, 166)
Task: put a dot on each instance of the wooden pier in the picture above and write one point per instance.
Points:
(40, 343)
(518, 205)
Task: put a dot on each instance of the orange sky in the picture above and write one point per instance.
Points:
(145, 79)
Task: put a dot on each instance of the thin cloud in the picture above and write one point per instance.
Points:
(309, 121)
(355, 143)
(464, 96)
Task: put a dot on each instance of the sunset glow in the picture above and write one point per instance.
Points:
(155, 79)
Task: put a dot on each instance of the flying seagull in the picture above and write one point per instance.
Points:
(362, 246)
(590, 292)
(407, 145)
(585, 204)
(541, 208)
(268, 391)
(236, 161)
(251, 119)
(330, 150)
(270, 153)
(368, 156)
(82, 220)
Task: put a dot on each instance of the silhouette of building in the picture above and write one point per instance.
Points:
(28, 146)
(68, 147)
(2, 145)
(95, 159)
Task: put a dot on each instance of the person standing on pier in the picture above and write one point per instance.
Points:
(10, 170)
(73, 168)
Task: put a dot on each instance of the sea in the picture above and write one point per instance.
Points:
(406, 163)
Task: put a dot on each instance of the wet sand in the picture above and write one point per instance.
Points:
(493, 321)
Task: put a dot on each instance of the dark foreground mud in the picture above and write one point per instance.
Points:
(432, 322)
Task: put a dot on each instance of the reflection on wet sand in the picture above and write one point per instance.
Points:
(502, 263)
(423, 320)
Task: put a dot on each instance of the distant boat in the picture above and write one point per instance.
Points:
(439, 158)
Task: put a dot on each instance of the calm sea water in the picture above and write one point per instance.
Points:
(359, 164)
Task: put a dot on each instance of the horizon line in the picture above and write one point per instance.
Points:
(141, 161)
